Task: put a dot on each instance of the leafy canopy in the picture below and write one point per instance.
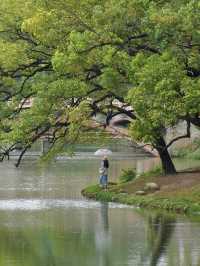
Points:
(78, 57)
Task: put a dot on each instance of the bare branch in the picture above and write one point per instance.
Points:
(21, 155)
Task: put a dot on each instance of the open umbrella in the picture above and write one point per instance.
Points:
(103, 152)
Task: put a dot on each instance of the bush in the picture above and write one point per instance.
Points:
(156, 171)
(190, 151)
(180, 152)
(127, 175)
(194, 155)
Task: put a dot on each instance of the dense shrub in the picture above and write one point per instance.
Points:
(127, 175)
(155, 171)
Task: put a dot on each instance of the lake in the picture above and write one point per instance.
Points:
(44, 220)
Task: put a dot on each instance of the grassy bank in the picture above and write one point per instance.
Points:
(180, 193)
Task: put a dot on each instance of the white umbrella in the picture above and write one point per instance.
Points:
(103, 152)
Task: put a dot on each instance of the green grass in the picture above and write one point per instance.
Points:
(187, 203)
(185, 200)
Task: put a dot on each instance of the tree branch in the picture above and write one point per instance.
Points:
(187, 135)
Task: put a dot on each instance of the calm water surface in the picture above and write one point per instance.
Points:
(44, 221)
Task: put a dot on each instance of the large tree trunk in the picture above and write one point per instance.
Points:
(167, 163)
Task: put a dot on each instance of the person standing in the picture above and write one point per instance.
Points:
(103, 170)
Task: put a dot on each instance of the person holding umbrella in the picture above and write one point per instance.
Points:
(103, 170)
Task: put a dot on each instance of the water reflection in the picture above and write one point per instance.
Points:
(160, 232)
(171, 241)
(104, 216)
(100, 236)
(103, 236)
(50, 224)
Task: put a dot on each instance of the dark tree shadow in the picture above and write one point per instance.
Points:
(161, 228)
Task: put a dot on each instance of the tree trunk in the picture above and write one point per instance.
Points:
(167, 163)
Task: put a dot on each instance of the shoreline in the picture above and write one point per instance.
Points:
(178, 193)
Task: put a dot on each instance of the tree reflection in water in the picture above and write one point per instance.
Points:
(160, 231)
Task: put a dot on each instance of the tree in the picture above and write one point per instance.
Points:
(158, 102)
(74, 58)
(167, 84)
(60, 105)
(50, 56)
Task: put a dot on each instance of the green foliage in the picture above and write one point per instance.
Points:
(66, 55)
(155, 171)
(180, 152)
(194, 155)
(190, 151)
(156, 98)
(127, 175)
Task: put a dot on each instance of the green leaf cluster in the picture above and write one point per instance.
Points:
(73, 59)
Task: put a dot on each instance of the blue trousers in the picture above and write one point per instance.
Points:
(104, 180)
